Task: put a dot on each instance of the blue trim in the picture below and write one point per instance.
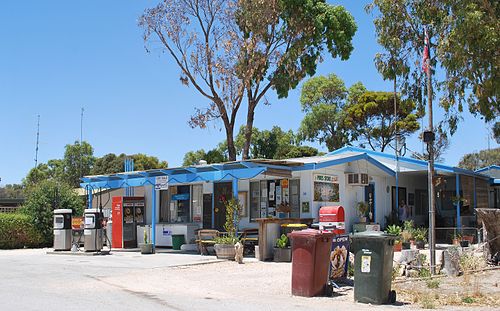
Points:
(457, 193)
(316, 166)
(136, 180)
(495, 181)
(421, 163)
(153, 217)
(488, 168)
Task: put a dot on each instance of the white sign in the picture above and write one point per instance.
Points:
(161, 183)
(326, 178)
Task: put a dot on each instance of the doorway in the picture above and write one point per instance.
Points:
(222, 192)
(395, 205)
(207, 211)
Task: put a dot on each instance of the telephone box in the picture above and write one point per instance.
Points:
(332, 219)
(127, 214)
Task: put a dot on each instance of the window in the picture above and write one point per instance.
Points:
(197, 202)
(254, 200)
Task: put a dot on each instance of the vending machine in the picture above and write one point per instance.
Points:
(127, 214)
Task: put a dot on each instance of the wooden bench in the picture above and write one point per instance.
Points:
(249, 238)
(206, 237)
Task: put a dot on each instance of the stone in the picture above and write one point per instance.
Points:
(408, 256)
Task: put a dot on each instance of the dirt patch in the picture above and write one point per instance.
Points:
(480, 289)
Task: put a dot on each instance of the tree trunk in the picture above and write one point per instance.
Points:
(491, 220)
(231, 149)
(249, 129)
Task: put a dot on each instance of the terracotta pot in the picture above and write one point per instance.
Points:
(469, 238)
(397, 247)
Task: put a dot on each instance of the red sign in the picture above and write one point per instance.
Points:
(117, 217)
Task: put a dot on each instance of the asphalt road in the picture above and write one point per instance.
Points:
(34, 280)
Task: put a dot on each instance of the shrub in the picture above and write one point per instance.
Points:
(41, 201)
(18, 231)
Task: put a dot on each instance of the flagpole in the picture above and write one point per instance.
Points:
(429, 139)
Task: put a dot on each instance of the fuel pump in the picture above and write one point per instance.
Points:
(62, 229)
(93, 230)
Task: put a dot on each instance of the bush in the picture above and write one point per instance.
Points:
(41, 201)
(18, 231)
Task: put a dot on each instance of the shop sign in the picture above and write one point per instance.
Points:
(326, 178)
(180, 197)
(339, 257)
(166, 232)
(161, 183)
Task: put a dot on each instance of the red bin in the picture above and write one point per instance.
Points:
(332, 216)
(310, 263)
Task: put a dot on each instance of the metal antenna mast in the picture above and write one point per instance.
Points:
(37, 140)
(81, 126)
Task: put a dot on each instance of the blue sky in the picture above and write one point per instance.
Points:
(59, 56)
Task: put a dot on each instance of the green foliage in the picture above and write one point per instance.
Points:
(282, 241)
(468, 299)
(145, 236)
(483, 158)
(420, 234)
(12, 191)
(324, 100)
(362, 208)
(18, 231)
(424, 273)
(433, 283)
(111, 163)
(231, 225)
(464, 37)
(77, 162)
(372, 118)
(43, 198)
(394, 230)
(226, 239)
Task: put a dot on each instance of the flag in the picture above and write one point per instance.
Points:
(425, 55)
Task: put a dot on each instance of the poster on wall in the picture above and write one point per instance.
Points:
(305, 207)
(278, 195)
(326, 192)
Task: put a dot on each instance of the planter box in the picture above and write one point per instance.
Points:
(282, 254)
(225, 251)
(146, 248)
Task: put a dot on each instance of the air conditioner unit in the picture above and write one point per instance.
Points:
(357, 179)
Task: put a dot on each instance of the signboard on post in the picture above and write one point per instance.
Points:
(339, 257)
(161, 183)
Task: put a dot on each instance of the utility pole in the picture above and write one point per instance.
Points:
(396, 203)
(429, 137)
(37, 140)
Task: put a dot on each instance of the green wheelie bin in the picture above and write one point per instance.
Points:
(374, 254)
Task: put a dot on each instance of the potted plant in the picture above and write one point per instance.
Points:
(420, 235)
(395, 230)
(224, 245)
(146, 247)
(282, 252)
(407, 234)
(362, 208)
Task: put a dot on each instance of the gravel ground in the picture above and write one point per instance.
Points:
(34, 280)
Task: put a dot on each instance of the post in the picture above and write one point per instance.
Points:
(153, 217)
(457, 193)
(89, 196)
(430, 149)
(235, 196)
(396, 205)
